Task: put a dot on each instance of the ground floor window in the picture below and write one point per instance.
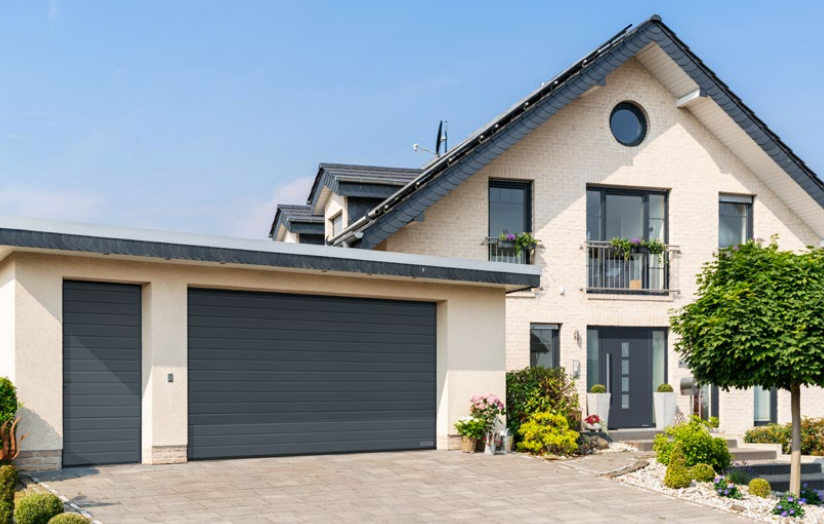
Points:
(544, 345)
(765, 406)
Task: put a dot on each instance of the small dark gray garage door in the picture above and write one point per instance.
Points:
(101, 373)
(278, 374)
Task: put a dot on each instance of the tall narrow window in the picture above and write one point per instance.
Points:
(593, 354)
(337, 224)
(509, 207)
(544, 345)
(765, 406)
(734, 220)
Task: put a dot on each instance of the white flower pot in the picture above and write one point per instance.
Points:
(598, 404)
(665, 407)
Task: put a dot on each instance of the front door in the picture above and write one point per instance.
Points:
(626, 365)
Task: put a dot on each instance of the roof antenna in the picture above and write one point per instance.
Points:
(443, 128)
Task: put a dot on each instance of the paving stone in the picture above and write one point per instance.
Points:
(415, 487)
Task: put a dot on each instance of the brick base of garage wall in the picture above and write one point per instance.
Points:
(169, 455)
(37, 461)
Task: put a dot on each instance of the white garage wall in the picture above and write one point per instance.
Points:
(471, 354)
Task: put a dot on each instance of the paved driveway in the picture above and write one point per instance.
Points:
(419, 486)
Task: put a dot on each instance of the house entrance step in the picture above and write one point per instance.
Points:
(646, 445)
(750, 454)
(761, 469)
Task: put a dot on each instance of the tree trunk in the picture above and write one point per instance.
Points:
(795, 446)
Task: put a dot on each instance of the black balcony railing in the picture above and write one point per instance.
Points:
(611, 270)
(504, 251)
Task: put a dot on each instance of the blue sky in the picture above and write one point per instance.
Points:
(202, 115)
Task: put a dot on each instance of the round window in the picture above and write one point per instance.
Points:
(628, 124)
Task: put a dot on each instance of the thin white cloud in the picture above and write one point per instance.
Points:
(55, 205)
(53, 10)
(254, 217)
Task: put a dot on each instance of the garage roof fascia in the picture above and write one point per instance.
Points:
(67, 237)
(445, 173)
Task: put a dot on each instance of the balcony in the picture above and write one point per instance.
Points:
(641, 272)
(504, 251)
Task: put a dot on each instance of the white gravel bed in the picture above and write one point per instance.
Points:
(755, 508)
(619, 447)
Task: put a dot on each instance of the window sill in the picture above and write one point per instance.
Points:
(631, 298)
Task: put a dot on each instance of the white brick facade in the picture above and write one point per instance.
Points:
(576, 148)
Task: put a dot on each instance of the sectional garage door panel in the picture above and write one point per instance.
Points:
(101, 373)
(278, 374)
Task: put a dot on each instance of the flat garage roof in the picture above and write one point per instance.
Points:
(27, 234)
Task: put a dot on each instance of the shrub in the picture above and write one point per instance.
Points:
(760, 488)
(678, 475)
(69, 518)
(598, 388)
(789, 506)
(702, 472)
(537, 390)
(8, 400)
(727, 489)
(699, 446)
(812, 436)
(811, 496)
(8, 484)
(665, 388)
(37, 508)
(487, 408)
(741, 474)
(547, 432)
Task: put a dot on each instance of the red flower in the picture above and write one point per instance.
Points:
(592, 419)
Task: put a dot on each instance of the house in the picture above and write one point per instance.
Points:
(130, 345)
(640, 141)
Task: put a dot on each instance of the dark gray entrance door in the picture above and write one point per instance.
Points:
(101, 373)
(278, 374)
(626, 362)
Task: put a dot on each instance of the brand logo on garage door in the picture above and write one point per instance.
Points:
(427, 443)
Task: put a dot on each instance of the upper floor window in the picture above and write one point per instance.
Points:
(632, 263)
(624, 213)
(734, 220)
(628, 124)
(337, 224)
(509, 207)
(544, 345)
(510, 211)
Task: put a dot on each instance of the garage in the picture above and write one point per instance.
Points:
(285, 374)
(101, 373)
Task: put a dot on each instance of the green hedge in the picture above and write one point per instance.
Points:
(8, 400)
(540, 390)
(812, 436)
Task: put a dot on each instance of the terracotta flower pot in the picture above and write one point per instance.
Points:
(468, 444)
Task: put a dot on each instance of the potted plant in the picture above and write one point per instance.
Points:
(470, 429)
(598, 404)
(506, 240)
(488, 408)
(9, 442)
(593, 423)
(664, 401)
(519, 242)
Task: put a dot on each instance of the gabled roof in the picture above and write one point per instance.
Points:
(690, 81)
(354, 180)
(297, 219)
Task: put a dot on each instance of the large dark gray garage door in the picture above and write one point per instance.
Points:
(101, 373)
(277, 374)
